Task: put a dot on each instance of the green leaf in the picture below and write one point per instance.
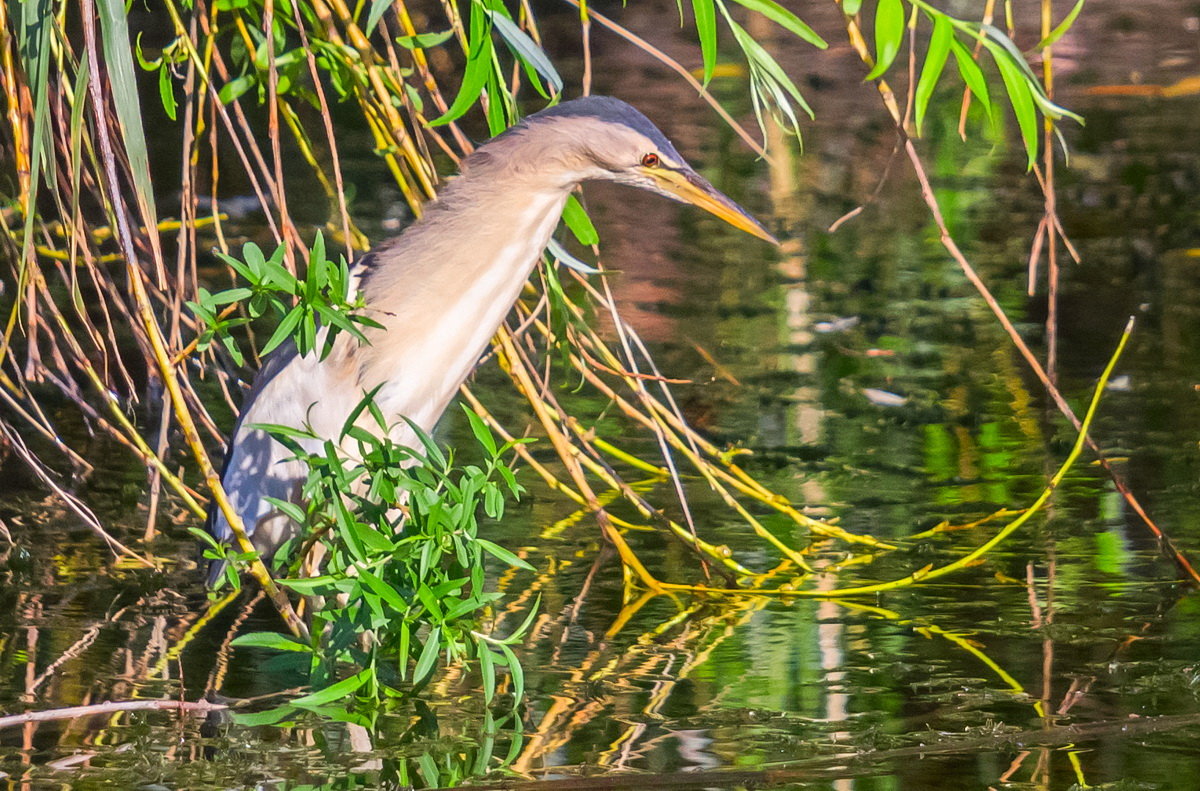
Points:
(787, 20)
(268, 717)
(1021, 98)
(851, 7)
(503, 554)
(518, 674)
(889, 34)
(309, 586)
(577, 219)
(935, 63)
(227, 296)
(122, 80)
(268, 640)
(290, 509)
(478, 68)
(424, 40)
(526, 49)
(372, 540)
(487, 669)
(972, 75)
(383, 590)
(762, 60)
(429, 655)
(232, 90)
(338, 691)
(430, 601)
(166, 91)
(378, 7)
(1061, 27)
(483, 435)
(274, 273)
(284, 331)
(564, 257)
(706, 32)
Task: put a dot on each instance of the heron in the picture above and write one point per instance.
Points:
(440, 290)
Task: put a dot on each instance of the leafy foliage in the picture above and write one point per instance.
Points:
(951, 35)
(403, 579)
(319, 307)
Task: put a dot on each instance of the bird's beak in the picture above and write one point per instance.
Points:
(690, 187)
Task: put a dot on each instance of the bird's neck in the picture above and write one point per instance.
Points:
(447, 285)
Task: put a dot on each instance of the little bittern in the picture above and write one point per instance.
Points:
(441, 289)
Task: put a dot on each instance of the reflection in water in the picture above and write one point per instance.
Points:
(1076, 623)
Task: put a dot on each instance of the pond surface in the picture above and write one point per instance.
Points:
(871, 384)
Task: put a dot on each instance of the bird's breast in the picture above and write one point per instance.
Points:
(437, 324)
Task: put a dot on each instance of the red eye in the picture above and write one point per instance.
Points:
(650, 161)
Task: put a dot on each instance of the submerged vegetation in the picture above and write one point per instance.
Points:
(116, 306)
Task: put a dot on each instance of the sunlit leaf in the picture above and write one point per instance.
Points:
(972, 75)
(526, 49)
(517, 673)
(122, 80)
(376, 12)
(284, 331)
(338, 691)
(166, 92)
(762, 60)
(477, 71)
(268, 717)
(935, 63)
(503, 554)
(487, 669)
(483, 435)
(1021, 97)
(1017, 59)
(270, 640)
(309, 586)
(786, 19)
(578, 221)
(889, 34)
(383, 590)
(1061, 27)
(424, 40)
(571, 262)
(706, 32)
(429, 655)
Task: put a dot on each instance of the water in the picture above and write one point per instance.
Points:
(872, 385)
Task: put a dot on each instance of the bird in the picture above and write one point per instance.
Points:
(440, 290)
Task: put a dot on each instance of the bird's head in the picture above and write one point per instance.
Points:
(601, 138)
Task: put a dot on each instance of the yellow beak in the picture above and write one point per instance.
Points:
(689, 187)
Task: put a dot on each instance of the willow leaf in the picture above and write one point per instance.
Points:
(706, 31)
(378, 7)
(114, 31)
(1021, 97)
(342, 689)
(1062, 27)
(762, 60)
(889, 33)
(478, 70)
(526, 49)
(972, 75)
(577, 219)
(33, 35)
(786, 19)
(935, 64)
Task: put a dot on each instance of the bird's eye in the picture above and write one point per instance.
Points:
(650, 161)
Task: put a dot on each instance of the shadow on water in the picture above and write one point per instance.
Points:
(871, 385)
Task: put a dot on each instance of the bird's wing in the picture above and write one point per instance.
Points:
(290, 390)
